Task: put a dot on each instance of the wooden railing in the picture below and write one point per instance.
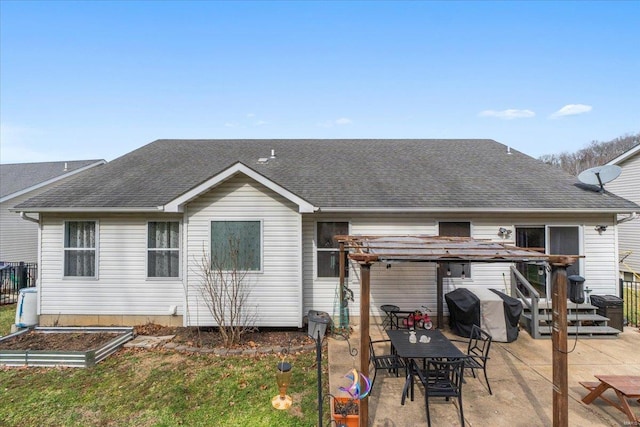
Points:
(518, 281)
(630, 293)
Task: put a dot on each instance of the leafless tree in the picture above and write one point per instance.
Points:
(595, 154)
(225, 289)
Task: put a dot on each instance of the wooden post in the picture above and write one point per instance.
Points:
(439, 296)
(559, 342)
(365, 282)
(341, 293)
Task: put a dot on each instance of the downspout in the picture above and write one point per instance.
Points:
(28, 218)
(628, 218)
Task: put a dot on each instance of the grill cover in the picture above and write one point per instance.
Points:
(490, 309)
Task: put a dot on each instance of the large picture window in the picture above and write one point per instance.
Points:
(236, 245)
(80, 249)
(163, 249)
(328, 249)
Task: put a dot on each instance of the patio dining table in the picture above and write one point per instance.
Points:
(439, 346)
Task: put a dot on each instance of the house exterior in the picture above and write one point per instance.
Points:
(627, 185)
(19, 182)
(124, 244)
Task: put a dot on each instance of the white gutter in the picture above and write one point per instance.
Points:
(28, 218)
(91, 210)
(631, 217)
(467, 210)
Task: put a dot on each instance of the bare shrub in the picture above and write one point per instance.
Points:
(225, 288)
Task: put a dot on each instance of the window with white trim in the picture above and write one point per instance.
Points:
(328, 248)
(80, 249)
(236, 245)
(163, 249)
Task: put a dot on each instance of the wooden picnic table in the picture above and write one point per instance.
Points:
(625, 386)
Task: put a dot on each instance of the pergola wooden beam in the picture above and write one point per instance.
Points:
(360, 247)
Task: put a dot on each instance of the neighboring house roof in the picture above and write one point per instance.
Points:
(20, 178)
(625, 156)
(335, 175)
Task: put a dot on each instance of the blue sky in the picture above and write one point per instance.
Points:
(95, 80)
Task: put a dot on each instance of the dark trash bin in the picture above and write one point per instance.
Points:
(610, 306)
(318, 322)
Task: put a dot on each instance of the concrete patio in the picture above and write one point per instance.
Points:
(520, 374)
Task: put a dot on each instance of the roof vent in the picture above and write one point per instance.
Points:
(273, 154)
(509, 150)
(263, 160)
(66, 167)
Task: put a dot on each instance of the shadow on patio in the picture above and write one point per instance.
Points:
(521, 378)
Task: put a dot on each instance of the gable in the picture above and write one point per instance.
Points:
(177, 205)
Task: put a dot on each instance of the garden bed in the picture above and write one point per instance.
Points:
(62, 346)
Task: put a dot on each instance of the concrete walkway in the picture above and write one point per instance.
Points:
(521, 378)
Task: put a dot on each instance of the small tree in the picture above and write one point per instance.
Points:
(225, 289)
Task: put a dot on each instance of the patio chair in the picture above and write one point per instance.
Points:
(478, 352)
(441, 378)
(380, 361)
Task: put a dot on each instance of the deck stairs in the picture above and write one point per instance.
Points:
(582, 320)
(536, 318)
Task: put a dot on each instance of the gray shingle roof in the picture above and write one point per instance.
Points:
(17, 177)
(367, 173)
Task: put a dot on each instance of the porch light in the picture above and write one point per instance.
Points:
(601, 228)
(283, 378)
(463, 275)
(504, 232)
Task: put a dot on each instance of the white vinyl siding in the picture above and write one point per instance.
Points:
(276, 291)
(409, 285)
(627, 185)
(122, 287)
(18, 237)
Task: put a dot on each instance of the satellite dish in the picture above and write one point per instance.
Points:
(600, 175)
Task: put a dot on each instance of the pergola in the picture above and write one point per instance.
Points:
(367, 250)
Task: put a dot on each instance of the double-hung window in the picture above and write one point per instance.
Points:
(80, 247)
(328, 253)
(163, 249)
(236, 245)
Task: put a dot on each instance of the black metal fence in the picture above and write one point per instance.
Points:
(15, 276)
(630, 293)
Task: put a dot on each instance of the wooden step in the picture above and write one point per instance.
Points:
(570, 305)
(571, 318)
(586, 331)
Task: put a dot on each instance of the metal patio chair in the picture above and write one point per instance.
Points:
(478, 352)
(441, 378)
(382, 361)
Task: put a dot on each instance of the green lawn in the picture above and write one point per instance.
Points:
(7, 318)
(159, 388)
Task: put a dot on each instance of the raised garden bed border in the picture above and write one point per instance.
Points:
(74, 359)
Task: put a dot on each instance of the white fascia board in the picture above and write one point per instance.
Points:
(624, 156)
(50, 181)
(471, 210)
(91, 210)
(177, 204)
